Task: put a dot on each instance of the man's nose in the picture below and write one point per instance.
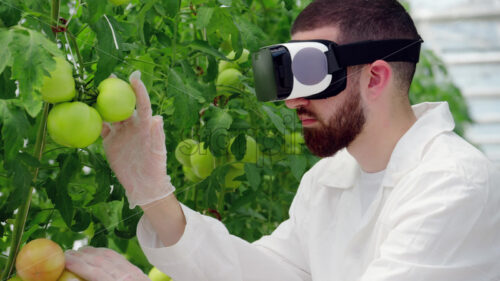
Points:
(296, 103)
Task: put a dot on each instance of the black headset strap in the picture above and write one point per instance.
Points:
(369, 51)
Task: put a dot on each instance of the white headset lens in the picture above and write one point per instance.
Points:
(309, 66)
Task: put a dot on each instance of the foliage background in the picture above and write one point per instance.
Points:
(177, 46)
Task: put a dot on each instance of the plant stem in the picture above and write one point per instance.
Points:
(220, 203)
(174, 42)
(22, 214)
(78, 54)
(55, 13)
(80, 63)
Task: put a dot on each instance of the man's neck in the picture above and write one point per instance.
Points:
(373, 147)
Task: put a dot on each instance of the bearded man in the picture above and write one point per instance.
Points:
(397, 194)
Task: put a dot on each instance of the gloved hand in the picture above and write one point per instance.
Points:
(101, 264)
(135, 149)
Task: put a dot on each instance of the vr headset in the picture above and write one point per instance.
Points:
(317, 69)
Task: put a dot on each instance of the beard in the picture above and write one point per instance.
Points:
(339, 131)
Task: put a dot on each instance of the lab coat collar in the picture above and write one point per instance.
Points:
(433, 118)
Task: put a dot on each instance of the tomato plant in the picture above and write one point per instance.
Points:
(67, 192)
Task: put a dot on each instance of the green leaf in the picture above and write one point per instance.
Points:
(212, 70)
(204, 16)
(239, 146)
(82, 220)
(172, 7)
(141, 19)
(102, 178)
(6, 37)
(185, 103)
(275, 119)
(222, 22)
(69, 165)
(107, 213)
(289, 4)
(108, 47)
(253, 175)
(32, 58)
(146, 65)
(130, 218)
(252, 35)
(21, 182)
(204, 47)
(10, 13)
(298, 164)
(100, 239)
(3, 260)
(217, 126)
(29, 160)
(93, 10)
(15, 128)
(7, 86)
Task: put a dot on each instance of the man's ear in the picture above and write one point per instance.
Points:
(380, 75)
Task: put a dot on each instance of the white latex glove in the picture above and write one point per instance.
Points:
(101, 264)
(135, 149)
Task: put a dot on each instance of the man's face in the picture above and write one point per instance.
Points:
(330, 124)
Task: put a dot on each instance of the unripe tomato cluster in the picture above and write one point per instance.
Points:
(198, 162)
(42, 260)
(293, 142)
(74, 123)
(229, 71)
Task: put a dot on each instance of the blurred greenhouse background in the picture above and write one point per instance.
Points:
(465, 34)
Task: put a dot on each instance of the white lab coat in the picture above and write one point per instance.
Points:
(435, 218)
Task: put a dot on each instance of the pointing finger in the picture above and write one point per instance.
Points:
(143, 103)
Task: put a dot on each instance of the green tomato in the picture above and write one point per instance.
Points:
(229, 77)
(293, 143)
(202, 161)
(294, 138)
(15, 278)
(183, 151)
(74, 124)
(156, 275)
(119, 2)
(190, 175)
(244, 56)
(233, 173)
(69, 276)
(251, 152)
(224, 64)
(116, 100)
(292, 149)
(60, 86)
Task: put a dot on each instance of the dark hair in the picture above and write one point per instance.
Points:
(360, 20)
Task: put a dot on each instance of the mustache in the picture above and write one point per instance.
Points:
(303, 111)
